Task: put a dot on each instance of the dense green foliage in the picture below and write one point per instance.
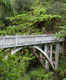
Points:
(5, 8)
(36, 21)
(30, 17)
(57, 7)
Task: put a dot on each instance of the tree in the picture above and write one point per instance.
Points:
(5, 7)
(21, 5)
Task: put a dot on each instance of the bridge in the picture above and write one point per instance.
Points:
(43, 43)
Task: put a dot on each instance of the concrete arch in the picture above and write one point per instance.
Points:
(46, 56)
(37, 48)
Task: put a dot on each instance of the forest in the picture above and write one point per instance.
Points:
(31, 17)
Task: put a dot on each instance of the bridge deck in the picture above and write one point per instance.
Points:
(22, 40)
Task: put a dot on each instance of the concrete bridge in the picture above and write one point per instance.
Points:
(47, 41)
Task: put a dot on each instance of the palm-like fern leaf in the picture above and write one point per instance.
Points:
(7, 5)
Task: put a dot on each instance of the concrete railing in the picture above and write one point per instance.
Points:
(23, 40)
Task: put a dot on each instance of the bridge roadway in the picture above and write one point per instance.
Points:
(26, 40)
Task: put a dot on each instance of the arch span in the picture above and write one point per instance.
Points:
(39, 49)
(46, 56)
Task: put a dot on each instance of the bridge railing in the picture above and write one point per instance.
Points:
(23, 40)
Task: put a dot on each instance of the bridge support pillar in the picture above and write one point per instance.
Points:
(51, 51)
(46, 62)
(57, 55)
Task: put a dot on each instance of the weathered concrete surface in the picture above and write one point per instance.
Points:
(23, 40)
